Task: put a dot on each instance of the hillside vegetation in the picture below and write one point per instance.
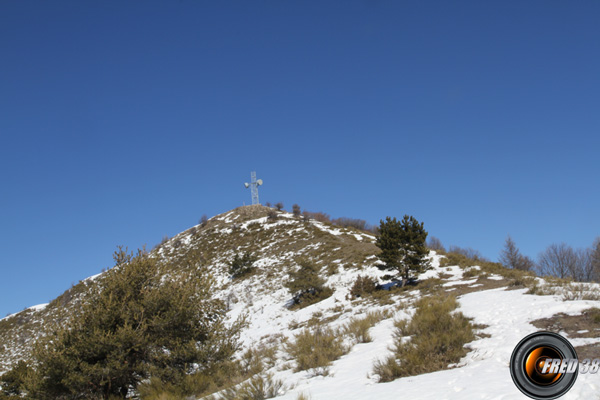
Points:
(258, 303)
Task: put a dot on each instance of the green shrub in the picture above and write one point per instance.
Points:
(306, 286)
(438, 335)
(241, 265)
(14, 381)
(316, 348)
(363, 285)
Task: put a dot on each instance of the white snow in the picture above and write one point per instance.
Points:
(482, 374)
(35, 308)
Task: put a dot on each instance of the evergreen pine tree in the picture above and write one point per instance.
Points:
(13, 382)
(143, 319)
(403, 249)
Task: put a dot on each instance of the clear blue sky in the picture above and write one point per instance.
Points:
(124, 121)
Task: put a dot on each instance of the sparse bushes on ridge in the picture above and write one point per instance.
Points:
(317, 216)
(467, 252)
(345, 222)
(437, 338)
(459, 259)
(486, 268)
(305, 216)
(279, 206)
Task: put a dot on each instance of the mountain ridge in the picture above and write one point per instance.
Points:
(504, 304)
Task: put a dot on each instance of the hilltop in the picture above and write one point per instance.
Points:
(276, 243)
(503, 305)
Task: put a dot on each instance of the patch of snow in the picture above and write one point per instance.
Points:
(454, 283)
(39, 307)
(92, 278)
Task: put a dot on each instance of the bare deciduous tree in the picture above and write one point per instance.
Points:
(203, 220)
(272, 215)
(279, 206)
(296, 210)
(558, 260)
(318, 216)
(511, 257)
(351, 222)
(435, 244)
(562, 261)
(583, 271)
(305, 216)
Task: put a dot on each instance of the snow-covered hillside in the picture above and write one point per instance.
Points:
(498, 303)
(482, 374)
